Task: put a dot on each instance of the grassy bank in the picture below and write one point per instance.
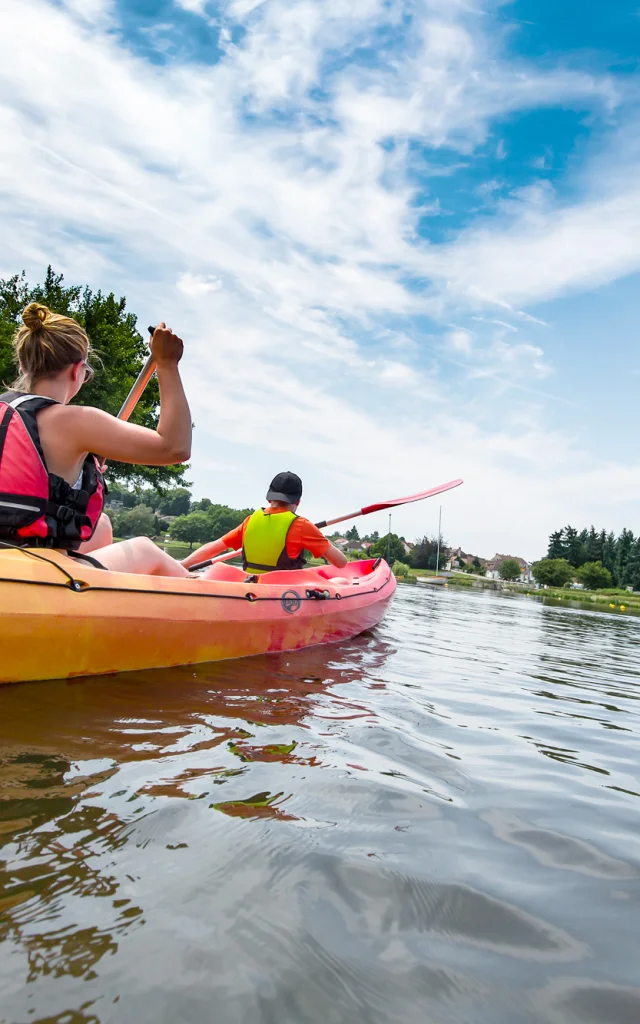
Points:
(601, 600)
(606, 600)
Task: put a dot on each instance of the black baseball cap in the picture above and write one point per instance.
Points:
(285, 487)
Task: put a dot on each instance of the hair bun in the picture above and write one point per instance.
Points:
(35, 315)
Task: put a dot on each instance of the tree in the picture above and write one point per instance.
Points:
(126, 497)
(552, 572)
(557, 547)
(222, 519)
(575, 546)
(389, 547)
(202, 506)
(176, 502)
(138, 522)
(624, 547)
(120, 354)
(352, 534)
(594, 575)
(595, 546)
(400, 569)
(509, 569)
(191, 528)
(478, 568)
(425, 553)
(632, 568)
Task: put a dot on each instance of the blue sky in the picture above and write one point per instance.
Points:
(401, 238)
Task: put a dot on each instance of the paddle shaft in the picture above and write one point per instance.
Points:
(141, 381)
(228, 555)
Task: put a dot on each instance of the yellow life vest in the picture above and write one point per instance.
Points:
(264, 546)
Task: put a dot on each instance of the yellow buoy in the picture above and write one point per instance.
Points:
(622, 607)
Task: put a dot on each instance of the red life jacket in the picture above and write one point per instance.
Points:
(38, 508)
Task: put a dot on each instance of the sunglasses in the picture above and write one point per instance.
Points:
(89, 372)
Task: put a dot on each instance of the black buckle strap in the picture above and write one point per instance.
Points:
(87, 558)
(62, 513)
(4, 426)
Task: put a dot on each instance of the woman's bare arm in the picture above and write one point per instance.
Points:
(83, 428)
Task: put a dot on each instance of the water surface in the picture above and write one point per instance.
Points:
(435, 822)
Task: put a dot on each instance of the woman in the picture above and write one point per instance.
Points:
(45, 445)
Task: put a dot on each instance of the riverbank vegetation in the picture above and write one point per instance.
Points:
(619, 556)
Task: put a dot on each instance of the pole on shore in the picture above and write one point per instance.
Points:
(439, 535)
(389, 538)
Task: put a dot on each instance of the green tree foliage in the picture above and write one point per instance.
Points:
(126, 497)
(192, 528)
(594, 576)
(137, 522)
(202, 506)
(478, 568)
(509, 569)
(557, 548)
(400, 569)
(595, 545)
(176, 502)
(552, 572)
(222, 519)
(425, 553)
(617, 554)
(631, 576)
(120, 350)
(352, 534)
(389, 547)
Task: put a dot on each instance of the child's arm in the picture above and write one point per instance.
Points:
(210, 550)
(232, 540)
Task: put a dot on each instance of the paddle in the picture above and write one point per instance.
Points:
(367, 510)
(141, 381)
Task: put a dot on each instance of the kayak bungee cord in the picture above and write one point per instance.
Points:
(72, 584)
(82, 587)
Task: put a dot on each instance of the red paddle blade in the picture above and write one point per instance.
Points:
(414, 497)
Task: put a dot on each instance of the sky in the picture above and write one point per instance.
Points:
(400, 239)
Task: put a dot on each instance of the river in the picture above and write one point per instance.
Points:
(435, 823)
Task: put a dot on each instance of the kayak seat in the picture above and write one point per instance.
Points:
(290, 577)
(224, 573)
(353, 571)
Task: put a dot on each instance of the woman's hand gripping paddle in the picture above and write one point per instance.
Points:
(367, 510)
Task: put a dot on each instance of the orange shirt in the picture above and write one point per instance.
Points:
(302, 536)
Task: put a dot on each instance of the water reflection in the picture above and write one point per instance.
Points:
(437, 821)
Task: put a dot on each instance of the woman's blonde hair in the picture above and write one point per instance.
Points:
(46, 344)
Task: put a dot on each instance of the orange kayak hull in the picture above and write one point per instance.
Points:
(60, 618)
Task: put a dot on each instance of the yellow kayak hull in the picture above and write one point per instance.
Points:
(61, 618)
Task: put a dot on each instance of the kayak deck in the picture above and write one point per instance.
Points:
(62, 618)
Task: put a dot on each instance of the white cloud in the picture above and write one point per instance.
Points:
(539, 249)
(198, 284)
(94, 12)
(123, 174)
(193, 6)
(460, 340)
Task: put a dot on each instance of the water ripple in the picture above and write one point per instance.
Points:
(437, 821)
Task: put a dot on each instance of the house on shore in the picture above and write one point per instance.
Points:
(493, 566)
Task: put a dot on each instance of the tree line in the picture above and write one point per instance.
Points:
(150, 513)
(597, 559)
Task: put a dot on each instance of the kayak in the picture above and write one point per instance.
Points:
(61, 618)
